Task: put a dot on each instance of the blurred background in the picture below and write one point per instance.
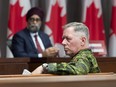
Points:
(98, 15)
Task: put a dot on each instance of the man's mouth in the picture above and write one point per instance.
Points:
(33, 26)
(65, 49)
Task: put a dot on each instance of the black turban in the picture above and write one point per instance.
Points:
(35, 10)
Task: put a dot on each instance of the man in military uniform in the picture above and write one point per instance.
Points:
(76, 45)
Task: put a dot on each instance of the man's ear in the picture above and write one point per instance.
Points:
(83, 41)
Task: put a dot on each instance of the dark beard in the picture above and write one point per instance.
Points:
(33, 29)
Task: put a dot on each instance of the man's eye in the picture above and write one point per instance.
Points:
(68, 38)
(34, 19)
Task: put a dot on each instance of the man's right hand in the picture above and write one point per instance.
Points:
(50, 52)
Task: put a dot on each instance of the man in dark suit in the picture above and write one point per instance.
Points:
(31, 41)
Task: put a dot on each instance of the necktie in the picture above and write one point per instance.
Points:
(37, 44)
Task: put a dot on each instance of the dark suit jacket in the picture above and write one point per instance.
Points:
(23, 45)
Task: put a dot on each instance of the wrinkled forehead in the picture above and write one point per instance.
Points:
(68, 32)
(35, 16)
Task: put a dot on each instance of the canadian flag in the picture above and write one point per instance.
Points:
(92, 17)
(112, 41)
(56, 18)
(17, 12)
(17, 19)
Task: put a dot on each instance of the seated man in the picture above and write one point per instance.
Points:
(31, 41)
(76, 45)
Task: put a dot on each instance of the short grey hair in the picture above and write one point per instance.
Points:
(78, 27)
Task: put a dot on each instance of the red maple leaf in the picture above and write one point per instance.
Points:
(56, 22)
(95, 24)
(113, 22)
(16, 22)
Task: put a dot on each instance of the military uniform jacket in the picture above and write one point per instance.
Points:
(82, 63)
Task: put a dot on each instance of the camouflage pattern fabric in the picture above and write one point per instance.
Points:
(82, 63)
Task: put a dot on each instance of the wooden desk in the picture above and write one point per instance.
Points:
(93, 80)
(16, 65)
(106, 64)
(13, 66)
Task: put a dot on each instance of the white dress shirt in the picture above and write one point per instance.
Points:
(39, 40)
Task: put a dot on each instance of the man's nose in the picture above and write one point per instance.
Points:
(35, 22)
(63, 42)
